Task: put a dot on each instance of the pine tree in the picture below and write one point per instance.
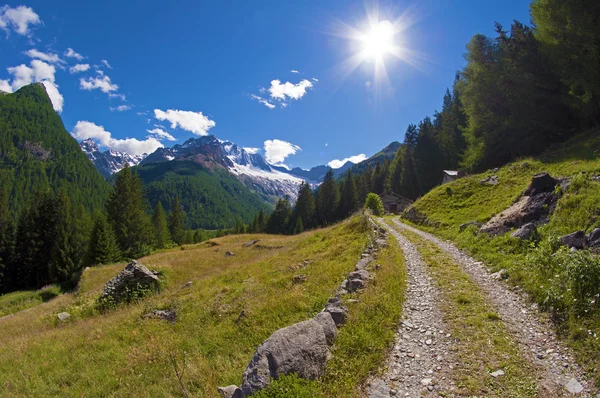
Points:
(305, 206)
(299, 227)
(328, 198)
(254, 225)
(126, 213)
(68, 251)
(161, 230)
(6, 241)
(176, 222)
(261, 221)
(348, 197)
(279, 220)
(103, 247)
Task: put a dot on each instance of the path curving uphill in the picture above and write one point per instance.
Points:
(557, 372)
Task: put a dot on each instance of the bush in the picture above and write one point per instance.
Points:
(374, 204)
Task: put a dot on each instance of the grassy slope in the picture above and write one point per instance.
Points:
(120, 354)
(466, 200)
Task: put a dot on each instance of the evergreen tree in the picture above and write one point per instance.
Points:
(410, 183)
(6, 241)
(261, 221)
(299, 227)
(161, 230)
(103, 247)
(570, 34)
(395, 176)
(279, 220)
(176, 222)
(126, 213)
(348, 197)
(305, 206)
(328, 198)
(254, 225)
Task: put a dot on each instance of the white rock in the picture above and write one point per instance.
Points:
(497, 373)
(574, 387)
(63, 316)
(426, 382)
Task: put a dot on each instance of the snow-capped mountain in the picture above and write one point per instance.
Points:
(109, 161)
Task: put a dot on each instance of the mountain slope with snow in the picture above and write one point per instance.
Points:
(109, 161)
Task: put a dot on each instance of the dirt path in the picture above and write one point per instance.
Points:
(557, 372)
(421, 360)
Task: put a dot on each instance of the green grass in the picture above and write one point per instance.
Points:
(18, 301)
(465, 200)
(477, 329)
(118, 353)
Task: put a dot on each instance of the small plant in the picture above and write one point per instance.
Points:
(179, 372)
(374, 203)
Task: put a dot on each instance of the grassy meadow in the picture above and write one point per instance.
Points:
(118, 353)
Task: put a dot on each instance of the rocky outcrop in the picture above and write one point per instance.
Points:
(301, 348)
(165, 315)
(576, 240)
(527, 231)
(133, 278)
(534, 206)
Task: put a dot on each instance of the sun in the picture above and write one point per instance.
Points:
(379, 41)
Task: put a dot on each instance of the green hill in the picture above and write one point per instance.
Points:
(564, 283)
(211, 198)
(37, 153)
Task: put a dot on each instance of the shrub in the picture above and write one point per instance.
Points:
(374, 204)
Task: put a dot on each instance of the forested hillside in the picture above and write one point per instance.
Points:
(211, 199)
(37, 154)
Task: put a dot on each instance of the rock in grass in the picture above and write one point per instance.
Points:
(165, 315)
(525, 232)
(574, 387)
(232, 391)
(229, 254)
(327, 323)
(594, 238)
(63, 316)
(299, 279)
(360, 274)
(575, 240)
(541, 182)
(339, 312)
(355, 284)
(134, 277)
(497, 373)
(251, 243)
(300, 348)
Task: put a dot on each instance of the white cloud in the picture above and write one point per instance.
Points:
(337, 163)
(289, 90)
(102, 83)
(315, 79)
(5, 86)
(119, 96)
(105, 63)
(161, 134)
(48, 57)
(18, 19)
(120, 108)
(252, 151)
(276, 151)
(38, 71)
(294, 71)
(84, 130)
(73, 54)
(326, 144)
(263, 101)
(194, 122)
(79, 68)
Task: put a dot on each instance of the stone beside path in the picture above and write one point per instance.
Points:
(558, 374)
(421, 359)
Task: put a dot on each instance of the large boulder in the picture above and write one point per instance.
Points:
(594, 238)
(541, 182)
(300, 348)
(576, 240)
(327, 323)
(134, 277)
(527, 231)
(232, 391)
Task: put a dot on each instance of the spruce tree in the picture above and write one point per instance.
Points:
(261, 221)
(328, 198)
(348, 196)
(103, 247)
(6, 241)
(161, 229)
(299, 227)
(176, 222)
(126, 212)
(279, 220)
(305, 206)
(68, 250)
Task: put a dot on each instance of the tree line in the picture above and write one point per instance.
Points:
(52, 240)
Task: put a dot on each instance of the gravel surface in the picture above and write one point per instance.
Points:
(421, 359)
(557, 372)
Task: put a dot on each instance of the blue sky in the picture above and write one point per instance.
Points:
(185, 68)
